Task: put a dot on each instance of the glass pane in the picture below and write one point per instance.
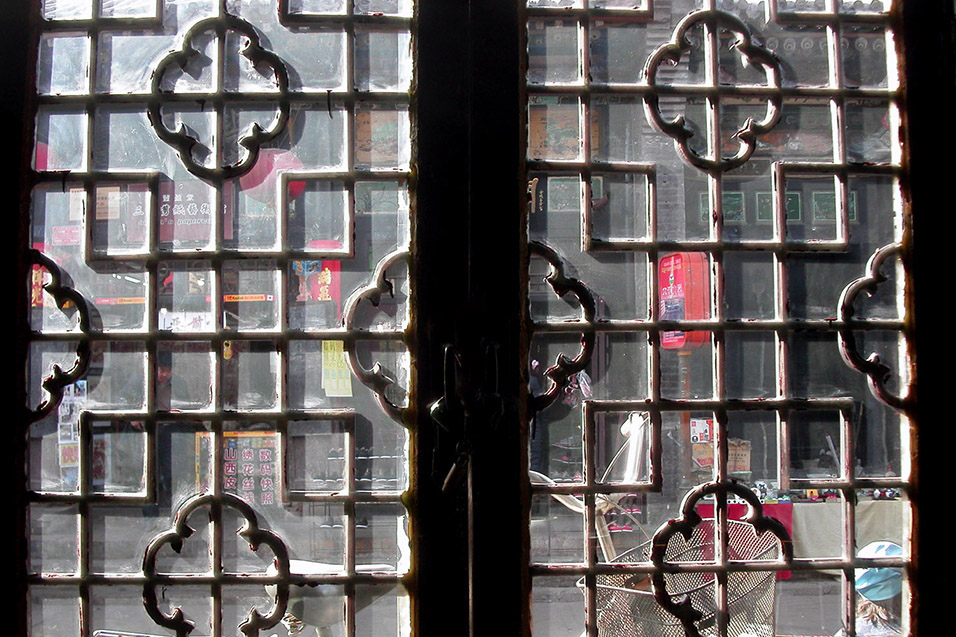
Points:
(555, 610)
(53, 538)
(64, 65)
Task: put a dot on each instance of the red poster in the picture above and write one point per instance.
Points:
(327, 284)
(319, 281)
(684, 281)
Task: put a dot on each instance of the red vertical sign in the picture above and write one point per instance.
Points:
(684, 286)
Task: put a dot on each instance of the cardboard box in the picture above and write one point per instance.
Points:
(738, 455)
(703, 454)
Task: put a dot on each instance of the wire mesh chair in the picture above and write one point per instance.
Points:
(626, 606)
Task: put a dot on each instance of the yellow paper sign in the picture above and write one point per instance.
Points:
(336, 376)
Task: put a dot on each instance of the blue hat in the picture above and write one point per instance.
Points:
(879, 583)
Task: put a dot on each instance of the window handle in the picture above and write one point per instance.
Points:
(465, 409)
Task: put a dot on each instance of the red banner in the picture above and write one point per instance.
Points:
(684, 286)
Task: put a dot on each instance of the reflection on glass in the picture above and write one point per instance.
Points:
(557, 530)
(249, 375)
(625, 439)
(249, 295)
(553, 51)
(60, 140)
(118, 456)
(382, 61)
(53, 538)
(381, 138)
(382, 609)
(121, 214)
(55, 610)
(554, 128)
(63, 65)
(67, 10)
(184, 372)
(556, 605)
(123, 606)
(317, 456)
(620, 206)
(184, 296)
(613, 49)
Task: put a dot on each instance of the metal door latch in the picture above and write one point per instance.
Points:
(468, 407)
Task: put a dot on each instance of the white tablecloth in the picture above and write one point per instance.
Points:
(818, 526)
